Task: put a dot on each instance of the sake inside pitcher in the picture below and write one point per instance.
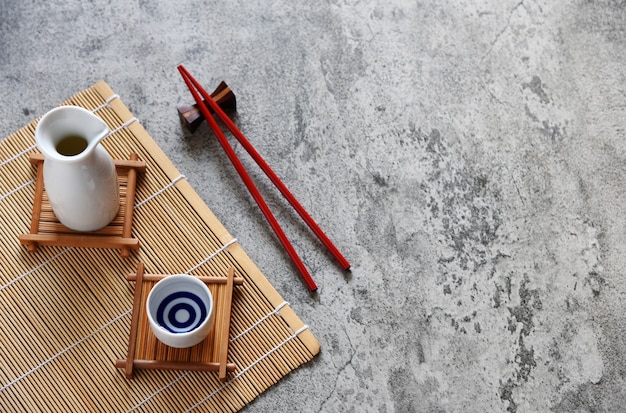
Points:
(69, 133)
(79, 174)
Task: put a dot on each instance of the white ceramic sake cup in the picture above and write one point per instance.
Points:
(180, 310)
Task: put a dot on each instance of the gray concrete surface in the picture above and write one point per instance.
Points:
(467, 157)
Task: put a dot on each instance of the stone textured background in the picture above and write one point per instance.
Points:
(467, 157)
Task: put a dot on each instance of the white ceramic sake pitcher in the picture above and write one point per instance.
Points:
(78, 173)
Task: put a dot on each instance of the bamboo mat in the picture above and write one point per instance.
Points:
(65, 312)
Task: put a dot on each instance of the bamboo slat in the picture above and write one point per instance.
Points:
(66, 312)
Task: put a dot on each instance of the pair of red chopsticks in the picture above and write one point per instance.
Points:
(199, 94)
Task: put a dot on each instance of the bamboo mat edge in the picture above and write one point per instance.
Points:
(255, 275)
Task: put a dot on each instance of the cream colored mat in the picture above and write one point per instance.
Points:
(65, 312)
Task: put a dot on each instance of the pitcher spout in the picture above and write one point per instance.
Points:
(69, 133)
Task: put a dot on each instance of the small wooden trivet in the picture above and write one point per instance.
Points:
(145, 351)
(45, 228)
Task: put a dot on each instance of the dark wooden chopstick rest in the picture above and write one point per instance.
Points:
(191, 116)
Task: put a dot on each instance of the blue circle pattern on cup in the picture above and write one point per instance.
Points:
(181, 312)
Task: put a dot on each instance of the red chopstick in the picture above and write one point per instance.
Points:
(271, 175)
(192, 84)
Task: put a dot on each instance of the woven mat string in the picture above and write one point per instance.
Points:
(160, 191)
(11, 192)
(16, 156)
(49, 260)
(162, 389)
(204, 261)
(65, 350)
(106, 103)
(265, 317)
(122, 126)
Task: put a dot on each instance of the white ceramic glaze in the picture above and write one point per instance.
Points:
(180, 310)
(82, 188)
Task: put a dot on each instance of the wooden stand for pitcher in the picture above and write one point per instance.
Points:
(45, 228)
